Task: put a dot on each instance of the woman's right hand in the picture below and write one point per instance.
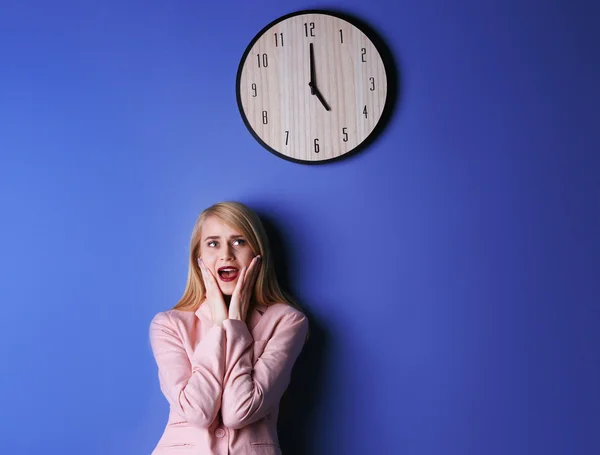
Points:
(214, 297)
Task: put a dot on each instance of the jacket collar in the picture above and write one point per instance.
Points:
(255, 313)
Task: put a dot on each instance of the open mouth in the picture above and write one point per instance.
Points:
(228, 274)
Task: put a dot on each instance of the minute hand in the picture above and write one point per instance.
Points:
(313, 82)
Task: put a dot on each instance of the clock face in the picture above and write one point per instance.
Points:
(311, 87)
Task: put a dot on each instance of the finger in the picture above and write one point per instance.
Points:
(250, 278)
(242, 281)
(209, 280)
(202, 269)
(254, 273)
(258, 264)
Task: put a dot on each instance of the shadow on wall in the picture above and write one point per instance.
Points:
(300, 400)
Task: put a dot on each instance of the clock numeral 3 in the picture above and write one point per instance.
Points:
(317, 148)
(278, 37)
(287, 136)
(312, 29)
(365, 111)
(262, 59)
(265, 117)
(363, 57)
(345, 134)
(372, 79)
(254, 90)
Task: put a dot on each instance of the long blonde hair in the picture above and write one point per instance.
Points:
(240, 217)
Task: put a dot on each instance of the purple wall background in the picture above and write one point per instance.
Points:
(451, 270)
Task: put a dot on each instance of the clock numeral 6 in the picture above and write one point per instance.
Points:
(317, 146)
(262, 58)
(345, 134)
(265, 117)
(254, 90)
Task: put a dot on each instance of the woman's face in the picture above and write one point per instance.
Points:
(223, 248)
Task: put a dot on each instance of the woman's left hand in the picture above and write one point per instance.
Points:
(240, 299)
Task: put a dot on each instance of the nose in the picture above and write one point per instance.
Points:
(227, 253)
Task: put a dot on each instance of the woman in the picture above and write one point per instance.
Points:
(225, 352)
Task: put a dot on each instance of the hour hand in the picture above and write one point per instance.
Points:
(321, 99)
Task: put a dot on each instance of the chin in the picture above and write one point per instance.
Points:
(226, 291)
(227, 288)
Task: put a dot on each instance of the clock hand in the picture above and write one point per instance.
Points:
(312, 83)
(318, 93)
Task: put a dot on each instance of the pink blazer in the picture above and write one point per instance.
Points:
(224, 384)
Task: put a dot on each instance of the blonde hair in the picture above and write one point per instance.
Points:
(243, 219)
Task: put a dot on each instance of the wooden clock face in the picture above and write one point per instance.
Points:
(312, 87)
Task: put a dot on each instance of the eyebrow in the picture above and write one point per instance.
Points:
(217, 237)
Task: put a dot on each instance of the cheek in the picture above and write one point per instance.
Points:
(249, 258)
(208, 257)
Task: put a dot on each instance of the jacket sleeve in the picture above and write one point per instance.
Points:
(192, 388)
(250, 391)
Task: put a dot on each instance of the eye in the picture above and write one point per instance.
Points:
(211, 242)
(240, 240)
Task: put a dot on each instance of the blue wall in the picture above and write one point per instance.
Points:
(450, 270)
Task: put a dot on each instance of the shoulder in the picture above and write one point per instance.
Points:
(170, 317)
(285, 312)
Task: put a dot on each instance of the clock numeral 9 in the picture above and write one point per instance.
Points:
(264, 59)
(363, 57)
(265, 117)
(372, 79)
(365, 111)
(278, 36)
(345, 134)
(287, 136)
(254, 90)
(312, 29)
(317, 148)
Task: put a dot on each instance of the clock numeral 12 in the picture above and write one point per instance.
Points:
(265, 117)
(312, 29)
(345, 134)
(317, 146)
(265, 60)
(277, 37)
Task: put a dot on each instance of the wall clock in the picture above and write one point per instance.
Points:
(313, 86)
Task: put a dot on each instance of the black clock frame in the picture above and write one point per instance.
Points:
(390, 69)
